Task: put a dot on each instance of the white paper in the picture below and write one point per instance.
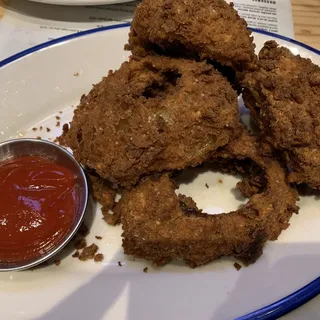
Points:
(271, 15)
(24, 24)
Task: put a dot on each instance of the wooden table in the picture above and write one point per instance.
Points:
(306, 17)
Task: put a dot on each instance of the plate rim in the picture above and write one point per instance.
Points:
(275, 309)
(72, 36)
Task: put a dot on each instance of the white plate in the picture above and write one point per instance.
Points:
(81, 2)
(38, 83)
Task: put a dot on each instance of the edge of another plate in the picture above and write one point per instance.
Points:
(76, 3)
(274, 310)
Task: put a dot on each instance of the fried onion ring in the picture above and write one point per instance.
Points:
(205, 29)
(153, 114)
(159, 226)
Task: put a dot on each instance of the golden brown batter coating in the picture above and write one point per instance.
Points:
(304, 164)
(208, 29)
(284, 97)
(159, 226)
(103, 192)
(153, 114)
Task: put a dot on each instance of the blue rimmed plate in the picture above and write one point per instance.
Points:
(45, 82)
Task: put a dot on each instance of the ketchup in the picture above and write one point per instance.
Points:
(37, 206)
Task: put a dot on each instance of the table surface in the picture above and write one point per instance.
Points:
(306, 17)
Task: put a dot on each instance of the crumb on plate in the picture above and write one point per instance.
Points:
(237, 265)
(80, 243)
(76, 254)
(98, 257)
(88, 252)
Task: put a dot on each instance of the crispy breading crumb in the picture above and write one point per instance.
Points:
(237, 265)
(220, 181)
(65, 128)
(76, 254)
(110, 218)
(207, 186)
(58, 124)
(61, 139)
(57, 262)
(48, 129)
(80, 243)
(102, 192)
(98, 237)
(58, 118)
(119, 264)
(38, 137)
(60, 112)
(34, 129)
(76, 74)
(98, 257)
(40, 128)
(145, 270)
(88, 252)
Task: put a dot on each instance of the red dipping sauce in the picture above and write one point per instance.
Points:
(37, 207)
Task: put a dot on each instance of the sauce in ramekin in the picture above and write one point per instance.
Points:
(38, 202)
